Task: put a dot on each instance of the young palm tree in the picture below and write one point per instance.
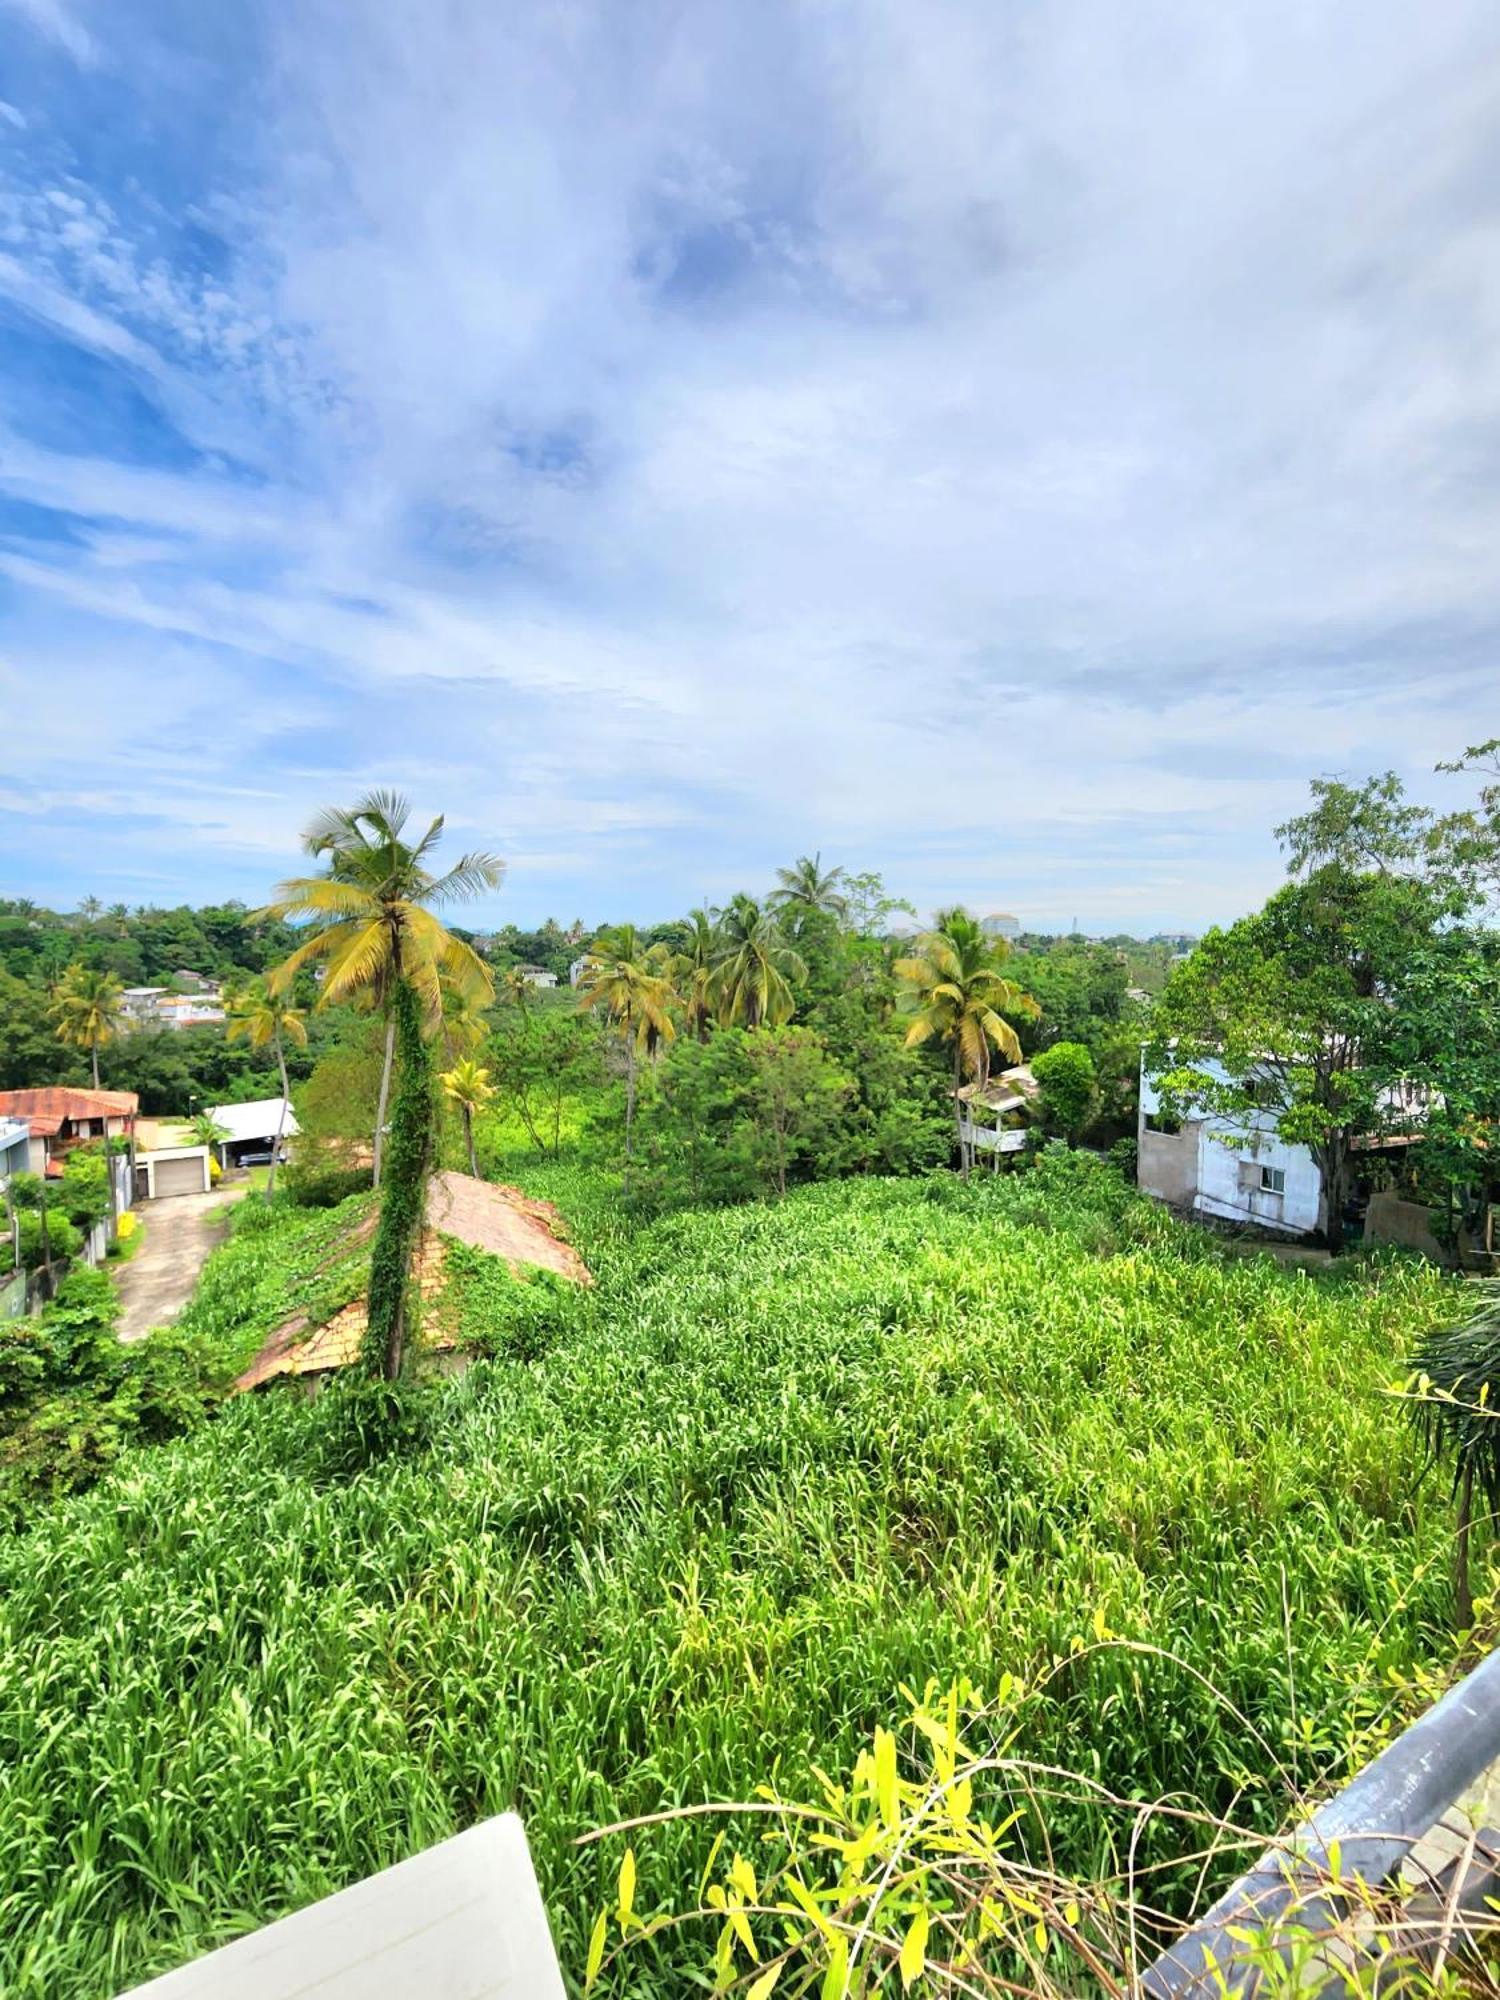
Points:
(630, 983)
(756, 968)
(693, 971)
(955, 992)
(469, 1087)
(86, 1008)
(373, 921)
(268, 1020)
(807, 886)
(1456, 1412)
(376, 936)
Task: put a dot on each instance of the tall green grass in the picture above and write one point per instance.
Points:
(692, 1529)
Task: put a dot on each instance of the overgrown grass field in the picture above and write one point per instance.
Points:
(691, 1530)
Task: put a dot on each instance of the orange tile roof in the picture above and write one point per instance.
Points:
(60, 1101)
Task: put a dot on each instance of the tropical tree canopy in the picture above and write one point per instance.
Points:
(757, 969)
(372, 913)
(86, 1010)
(629, 981)
(265, 1018)
(807, 885)
(957, 994)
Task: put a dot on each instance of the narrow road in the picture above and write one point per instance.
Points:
(159, 1279)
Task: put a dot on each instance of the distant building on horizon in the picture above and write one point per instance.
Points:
(1001, 924)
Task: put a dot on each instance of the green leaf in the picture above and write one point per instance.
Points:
(596, 1950)
(627, 1886)
(913, 1957)
(766, 1981)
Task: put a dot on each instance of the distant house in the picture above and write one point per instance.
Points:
(1001, 924)
(1240, 1169)
(996, 1116)
(58, 1118)
(196, 982)
(159, 1006)
(536, 975)
(252, 1130)
(15, 1148)
(577, 969)
(172, 1170)
(138, 1003)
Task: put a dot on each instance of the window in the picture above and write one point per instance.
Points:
(1273, 1180)
(1158, 1121)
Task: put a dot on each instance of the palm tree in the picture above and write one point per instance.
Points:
(1456, 1411)
(692, 970)
(90, 908)
(374, 926)
(955, 992)
(630, 983)
(756, 968)
(808, 886)
(268, 1020)
(86, 1008)
(470, 1089)
(376, 936)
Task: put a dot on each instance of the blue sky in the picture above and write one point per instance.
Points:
(1009, 447)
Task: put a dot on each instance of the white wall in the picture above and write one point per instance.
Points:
(1228, 1176)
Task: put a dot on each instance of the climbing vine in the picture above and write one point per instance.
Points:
(403, 1193)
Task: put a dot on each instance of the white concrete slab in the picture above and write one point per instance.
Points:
(464, 1921)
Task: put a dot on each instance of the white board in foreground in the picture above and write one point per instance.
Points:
(464, 1921)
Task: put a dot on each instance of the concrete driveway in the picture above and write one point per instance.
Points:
(159, 1279)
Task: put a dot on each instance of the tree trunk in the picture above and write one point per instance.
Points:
(629, 1091)
(1333, 1197)
(469, 1140)
(384, 1098)
(1463, 1599)
(286, 1094)
(94, 1053)
(403, 1195)
(958, 1112)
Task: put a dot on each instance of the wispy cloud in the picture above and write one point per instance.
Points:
(59, 24)
(1009, 449)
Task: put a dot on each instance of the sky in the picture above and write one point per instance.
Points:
(1010, 447)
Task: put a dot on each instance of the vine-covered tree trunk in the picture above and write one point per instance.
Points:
(403, 1191)
(958, 1111)
(384, 1098)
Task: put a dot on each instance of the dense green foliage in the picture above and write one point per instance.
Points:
(691, 1529)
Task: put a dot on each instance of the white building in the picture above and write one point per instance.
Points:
(997, 1118)
(536, 975)
(1001, 924)
(252, 1130)
(1258, 1177)
(577, 969)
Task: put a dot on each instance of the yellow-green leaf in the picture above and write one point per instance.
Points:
(836, 1978)
(766, 1981)
(627, 1886)
(596, 1950)
(885, 1776)
(913, 1957)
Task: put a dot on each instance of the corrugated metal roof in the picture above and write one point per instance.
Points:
(47, 1108)
(257, 1120)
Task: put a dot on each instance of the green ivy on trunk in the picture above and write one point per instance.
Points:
(403, 1193)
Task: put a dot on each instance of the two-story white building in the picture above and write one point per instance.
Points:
(1239, 1169)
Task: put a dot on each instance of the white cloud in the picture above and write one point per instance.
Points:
(1009, 448)
(59, 24)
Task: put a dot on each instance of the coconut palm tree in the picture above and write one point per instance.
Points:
(86, 1009)
(630, 982)
(376, 936)
(268, 1020)
(808, 886)
(1456, 1411)
(692, 971)
(373, 925)
(955, 993)
(90, 908)
(756, 968)
(469, 1087)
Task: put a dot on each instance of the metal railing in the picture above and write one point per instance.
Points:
(1352, 1849)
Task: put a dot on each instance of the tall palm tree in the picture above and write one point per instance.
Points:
(808, 886)
(268, 1020)
(1456, 1411)
(630, 982)
(376, 936)
(86, 1009)
(90, 908)
(955, 993)
(469, 1087)
(373, 925)
(692, 971)
(756, 968)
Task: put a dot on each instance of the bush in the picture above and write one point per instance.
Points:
(63, 1237)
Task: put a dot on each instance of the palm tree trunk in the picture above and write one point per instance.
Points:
(286, 1093)
(629, 1090)
(958, 1112)
(468, 1112)
(385, 1092)
(1463, 1596)
(94, 1053)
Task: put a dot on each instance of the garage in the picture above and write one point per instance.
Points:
(174, 1170)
